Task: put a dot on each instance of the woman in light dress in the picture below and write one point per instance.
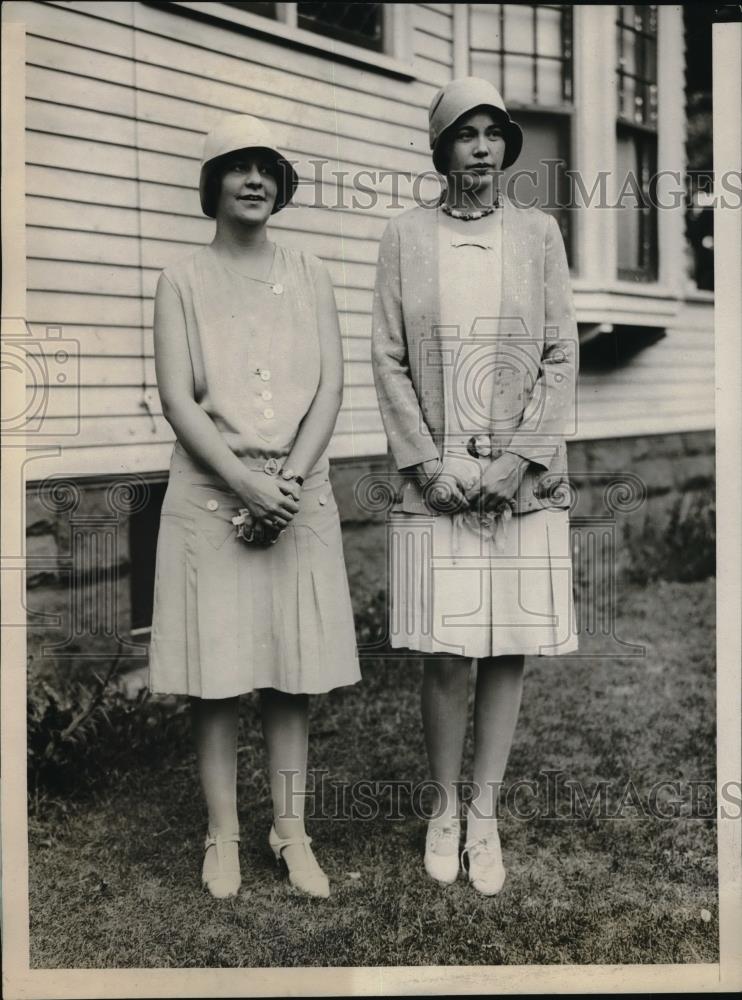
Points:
(475, 359)
(250, 373)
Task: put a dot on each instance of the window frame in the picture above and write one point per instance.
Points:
(396, 60)
(646, 134)
(564, 111)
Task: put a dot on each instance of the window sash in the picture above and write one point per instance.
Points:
(643, 146)
(505, 56)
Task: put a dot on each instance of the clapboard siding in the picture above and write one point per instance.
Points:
(667, 387)
(119, 97)
(87, 153)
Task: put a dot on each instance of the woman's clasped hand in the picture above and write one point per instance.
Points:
(499, 483)
(272, 502)
(448, 487)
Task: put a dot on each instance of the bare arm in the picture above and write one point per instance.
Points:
(319, 422)
(193, 427)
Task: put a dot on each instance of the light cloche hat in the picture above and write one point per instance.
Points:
(463, 95)
(236, 132)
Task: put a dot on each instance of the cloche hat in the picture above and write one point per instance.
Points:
(236, 132)
(461, 96)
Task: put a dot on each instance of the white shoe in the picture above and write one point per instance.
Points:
(486, 869)
(442, 851)
(308, 877)
(222, 880)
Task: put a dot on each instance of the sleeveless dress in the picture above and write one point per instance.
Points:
(230, 617)
(461, 583)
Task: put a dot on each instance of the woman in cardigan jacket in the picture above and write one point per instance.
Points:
(475, 358)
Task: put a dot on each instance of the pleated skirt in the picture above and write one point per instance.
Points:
(229, 617)
(452, 590)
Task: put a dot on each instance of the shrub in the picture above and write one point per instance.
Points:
(80, 733)
(684, 550)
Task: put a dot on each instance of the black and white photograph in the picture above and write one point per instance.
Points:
(370, 454)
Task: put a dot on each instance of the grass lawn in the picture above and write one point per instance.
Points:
(115, 875)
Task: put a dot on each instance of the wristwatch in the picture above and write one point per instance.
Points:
(289, 474)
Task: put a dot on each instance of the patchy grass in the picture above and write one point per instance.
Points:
(114, 875)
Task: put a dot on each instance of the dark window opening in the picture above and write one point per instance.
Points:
(698, 18)
(143, 530)
(263, 9)
(356, 23)
(636, 166)
(605, 350)
(636, 140)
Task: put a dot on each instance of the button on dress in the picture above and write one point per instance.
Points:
(230, 617)
(461, 584)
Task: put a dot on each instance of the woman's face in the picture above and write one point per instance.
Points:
(476, 150)
(249, 188)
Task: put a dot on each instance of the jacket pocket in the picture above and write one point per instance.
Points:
(212, 510)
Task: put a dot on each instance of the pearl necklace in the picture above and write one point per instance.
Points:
(456, 213)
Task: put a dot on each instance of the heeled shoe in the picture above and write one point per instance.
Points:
(309, 877)
(226, 880)
(442, 851)
(486, 869)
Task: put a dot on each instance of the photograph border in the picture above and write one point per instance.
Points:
(19, 981)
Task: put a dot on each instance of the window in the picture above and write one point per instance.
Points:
(636, 136)
(526, 51)
(355, 23)
(264, 9)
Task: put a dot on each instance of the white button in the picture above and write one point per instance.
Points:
(265, 374)
(213, 504)
(323, 501)
(266, 394)
(268, 413)
(278, 288)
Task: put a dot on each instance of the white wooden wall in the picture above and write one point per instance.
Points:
(119, 96)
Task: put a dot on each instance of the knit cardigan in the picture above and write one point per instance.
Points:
(535, 352)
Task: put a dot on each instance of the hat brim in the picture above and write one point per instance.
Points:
(513, 135)
(286, 178)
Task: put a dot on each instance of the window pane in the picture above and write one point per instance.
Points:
(546, 139)
(532, 77)
(264, 9)
(519, 78)
(549, 32)
(628, 95)
(627, 165)
(650, 59)
(487, 65)
(549, 81)
(518, 27)
(357, 23)
(484, 26)
(629, 60)
(637, 219)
